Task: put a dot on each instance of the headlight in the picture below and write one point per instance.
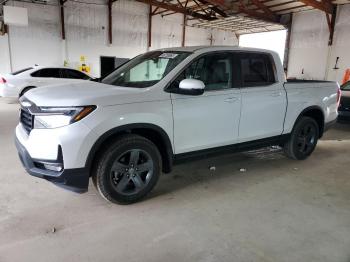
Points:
(53, 117)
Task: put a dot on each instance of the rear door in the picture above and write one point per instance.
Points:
(263, 97)
(208, 120)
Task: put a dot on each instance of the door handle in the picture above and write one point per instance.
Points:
(231, 99)
(275, 94)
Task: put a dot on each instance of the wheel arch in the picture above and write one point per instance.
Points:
(152, 132)
(25, 89)
(317, 114)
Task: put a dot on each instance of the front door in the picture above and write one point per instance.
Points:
(209, 120)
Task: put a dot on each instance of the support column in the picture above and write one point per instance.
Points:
(184, 30)
(110, 29)
(9, 46)
(149, 38)
(332, 26)
(287, 45)
(63, 30)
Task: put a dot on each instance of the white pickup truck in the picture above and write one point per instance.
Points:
(166, 106)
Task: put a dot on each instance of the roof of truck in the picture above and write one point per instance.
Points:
(206, 48)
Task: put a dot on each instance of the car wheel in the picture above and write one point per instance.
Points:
(303, 139)
(26, 89)
(127, 170)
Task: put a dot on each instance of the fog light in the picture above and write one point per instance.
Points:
(53, 167)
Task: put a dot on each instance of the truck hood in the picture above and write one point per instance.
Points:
(85, 93)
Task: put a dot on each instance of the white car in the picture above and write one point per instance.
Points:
(164, 107)
(17, 83)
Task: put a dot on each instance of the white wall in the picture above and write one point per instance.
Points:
(308, 45)
(39, 43)
(341, 45)
(4, 54)
(309, 48)
(87, 34)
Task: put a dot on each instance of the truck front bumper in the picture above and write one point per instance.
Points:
(76, 179)
(58, 155)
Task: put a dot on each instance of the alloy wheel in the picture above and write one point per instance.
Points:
(131, 172)
(306, 139)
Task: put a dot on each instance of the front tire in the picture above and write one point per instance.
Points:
(303, 139)
(127, 170)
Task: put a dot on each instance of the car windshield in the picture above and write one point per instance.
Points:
(145, 70)
(346, 86)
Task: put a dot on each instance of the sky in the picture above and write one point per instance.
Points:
(268, 40)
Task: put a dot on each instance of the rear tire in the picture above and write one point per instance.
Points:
(127, 170)
(303, 139)
(26, 89)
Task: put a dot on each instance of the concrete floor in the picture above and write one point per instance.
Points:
(278, 210)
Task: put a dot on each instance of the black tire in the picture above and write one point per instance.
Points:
(120, 181)
(26, 89)
(303, 139)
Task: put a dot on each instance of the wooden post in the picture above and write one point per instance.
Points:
(184, 31)
(332, 26)
(287, 44)
(63, 30)
(211, 39)
(149, 27)
(110, 29)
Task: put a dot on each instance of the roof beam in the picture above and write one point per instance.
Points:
(214, 8)
(264, 8)
(291, 8)
(177, 9)
(254, 14)
(325, 5)
(220, 3)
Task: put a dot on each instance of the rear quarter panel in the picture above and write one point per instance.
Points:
(304, 95)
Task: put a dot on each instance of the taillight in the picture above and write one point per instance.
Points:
(2, 80)
(338, 96)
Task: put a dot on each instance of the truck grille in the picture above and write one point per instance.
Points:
(26, 119)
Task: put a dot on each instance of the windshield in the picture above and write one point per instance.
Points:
(346, 86)
(145, 70)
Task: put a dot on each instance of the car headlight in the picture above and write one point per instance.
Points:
(53, 117)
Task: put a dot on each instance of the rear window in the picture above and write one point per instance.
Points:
(21, 71)
(47, 72)
(256, 69)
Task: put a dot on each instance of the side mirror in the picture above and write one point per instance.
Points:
(191, 87)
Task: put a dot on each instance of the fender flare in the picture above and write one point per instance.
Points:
(24, 88)
(168, 150)
(307, 109)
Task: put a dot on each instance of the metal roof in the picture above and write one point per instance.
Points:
(238, 16)
(241, 16)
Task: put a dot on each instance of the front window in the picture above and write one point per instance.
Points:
(214, 70)
(145, 70)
